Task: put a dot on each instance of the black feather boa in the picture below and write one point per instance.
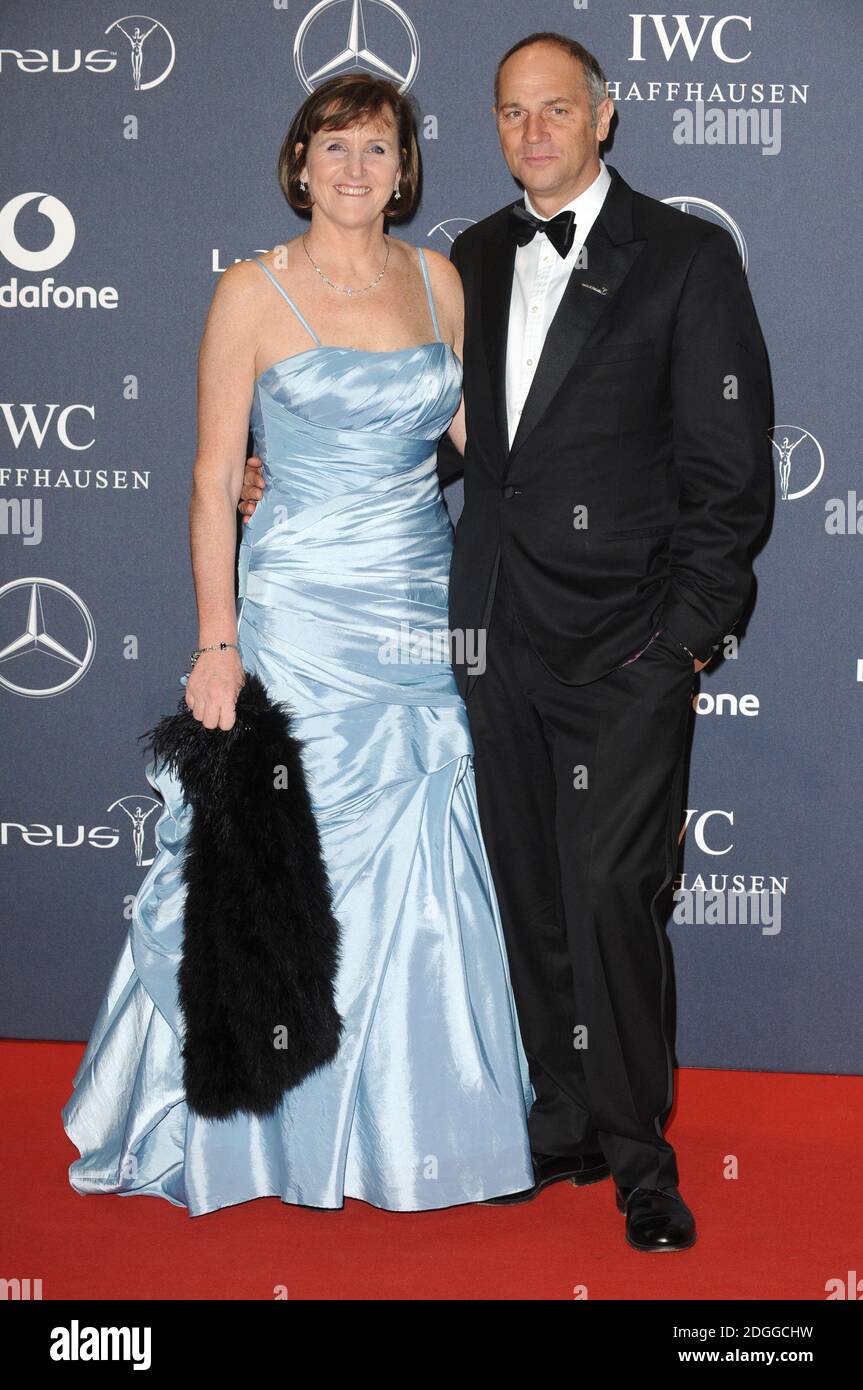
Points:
(260, 941)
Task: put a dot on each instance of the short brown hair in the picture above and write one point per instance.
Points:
(594, 78)
(342, 102)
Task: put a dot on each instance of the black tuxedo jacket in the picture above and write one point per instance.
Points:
(640, 476)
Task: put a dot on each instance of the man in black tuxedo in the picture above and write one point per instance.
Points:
(617, 476)
(616, 479)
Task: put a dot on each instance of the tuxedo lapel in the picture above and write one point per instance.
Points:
(611, 250)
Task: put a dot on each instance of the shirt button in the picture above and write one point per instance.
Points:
(534, 308)
(509, 491)
(530, 362)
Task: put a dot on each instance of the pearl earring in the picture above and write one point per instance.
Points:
(302, 186)
(397, 193)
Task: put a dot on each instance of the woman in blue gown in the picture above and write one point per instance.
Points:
(342, 612)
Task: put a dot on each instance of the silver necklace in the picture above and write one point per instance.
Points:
(344, 289)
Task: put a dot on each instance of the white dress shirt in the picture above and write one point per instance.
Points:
(538, 284)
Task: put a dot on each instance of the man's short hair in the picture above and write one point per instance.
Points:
(594, 77)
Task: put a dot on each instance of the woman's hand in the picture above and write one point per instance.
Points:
(214, 683)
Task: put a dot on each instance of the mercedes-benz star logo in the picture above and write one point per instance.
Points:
(69, 617)
(356, 53)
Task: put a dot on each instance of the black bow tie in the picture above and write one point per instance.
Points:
(560, 230)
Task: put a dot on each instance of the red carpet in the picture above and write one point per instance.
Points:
(786, 1225)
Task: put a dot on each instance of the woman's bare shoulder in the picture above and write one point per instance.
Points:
(236, 305)
(442, 267)
(242, 291)
(447, 288)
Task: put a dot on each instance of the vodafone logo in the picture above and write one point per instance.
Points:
(35, 260)
(62, 233)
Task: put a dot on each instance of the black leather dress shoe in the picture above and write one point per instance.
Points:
(657, 1218)
(579, 1169)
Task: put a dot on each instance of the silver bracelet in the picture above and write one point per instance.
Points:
(217, 647)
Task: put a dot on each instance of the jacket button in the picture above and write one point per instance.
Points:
(509, 491)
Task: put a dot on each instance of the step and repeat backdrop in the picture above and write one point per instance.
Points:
(138, 162)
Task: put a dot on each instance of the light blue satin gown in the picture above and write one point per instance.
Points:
(342, 612)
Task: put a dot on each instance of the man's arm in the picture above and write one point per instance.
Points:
(720, 388)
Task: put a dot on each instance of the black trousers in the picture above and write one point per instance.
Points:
(580, 791)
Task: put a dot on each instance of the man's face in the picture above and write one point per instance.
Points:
(544, 123)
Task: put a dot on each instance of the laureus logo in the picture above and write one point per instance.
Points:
(339, 36)
(800, 468)
(133, 807)
(448, 230)
(148, 68)
(137, 28)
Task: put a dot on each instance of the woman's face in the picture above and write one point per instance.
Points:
(351, 174)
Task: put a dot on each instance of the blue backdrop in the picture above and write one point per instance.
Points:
(138, 162)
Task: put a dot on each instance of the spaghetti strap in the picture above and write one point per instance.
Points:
(284, 292)
(429, 293)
